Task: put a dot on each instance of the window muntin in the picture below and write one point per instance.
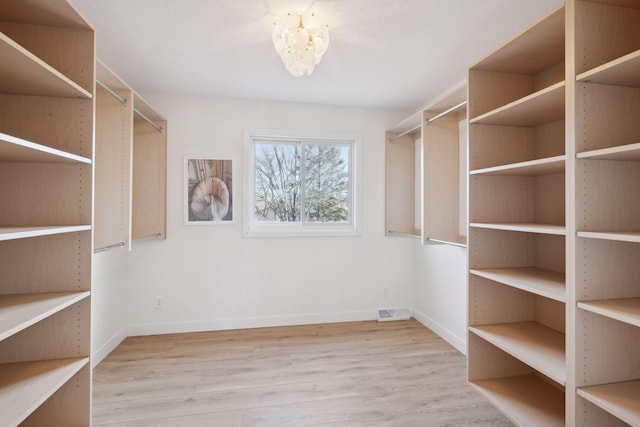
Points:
(300, 186)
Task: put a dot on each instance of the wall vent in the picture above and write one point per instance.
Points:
(387, 314)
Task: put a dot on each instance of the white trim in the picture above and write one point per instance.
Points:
(111, 344)
(141, 329)
(251, 229)
(459, 343)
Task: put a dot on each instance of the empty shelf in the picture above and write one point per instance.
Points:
(23, 73)
(622, 236)
(619, 399)
(524, 227)
(13, 233)
(548, 166)
(13, 149)
(18, 312)
(538, 346)
(620, 152)
(624, 71)
(526, 400)
(549, 284)
(25, 386)
(625, 310)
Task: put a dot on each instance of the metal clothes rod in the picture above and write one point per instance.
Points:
(148, 237)
(444, 113)
(106, 248)
(402, 234)
(413, 129)
(446, 242)
(148, 120)
(122, 100)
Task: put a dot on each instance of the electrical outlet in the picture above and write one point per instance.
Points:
(158, 302)
(386, 292)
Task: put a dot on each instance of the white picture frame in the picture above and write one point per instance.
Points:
(208, 190)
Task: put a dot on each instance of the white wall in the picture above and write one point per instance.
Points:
(210, 277)
(440, 291)
(108, 302)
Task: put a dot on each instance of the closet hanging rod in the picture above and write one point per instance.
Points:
(148, 120)
(444, 113)
(406, 132)
(151, 236)
(109, 247)
(402, 234)
(445, 242)
(122, 100)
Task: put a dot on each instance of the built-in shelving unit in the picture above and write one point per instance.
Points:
(555, 219)
(425, 167)
(607, 213)
(517, 236)
(46, 158)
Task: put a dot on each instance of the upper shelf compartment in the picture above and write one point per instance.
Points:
(607, 34)
(528, 64)
(22, 73)
(46, 48)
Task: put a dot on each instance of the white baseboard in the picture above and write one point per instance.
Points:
(108, 347)
(141, 329)
(459, 343)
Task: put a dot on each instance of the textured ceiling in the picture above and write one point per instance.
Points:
(383, 53)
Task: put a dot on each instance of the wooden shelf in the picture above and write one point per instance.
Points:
(14, 149)
(625, 310)
(544, 106)
(558, 230)
(619, 399)
(526, 400)
(25, 386)
(624, 71)
(621, 236)
(538, 346)
(548, 166)
(629, 152)
(549, 284)
(13, 233)
(23, 73)
(18, 312)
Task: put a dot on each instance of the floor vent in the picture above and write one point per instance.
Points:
(387, 314)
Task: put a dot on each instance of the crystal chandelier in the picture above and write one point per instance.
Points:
(301, 40)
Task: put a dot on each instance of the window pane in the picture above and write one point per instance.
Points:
(327, 189)
(277, 186)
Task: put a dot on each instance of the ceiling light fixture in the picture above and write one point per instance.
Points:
(301, 40)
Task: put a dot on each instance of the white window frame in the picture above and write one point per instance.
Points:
(254, 228)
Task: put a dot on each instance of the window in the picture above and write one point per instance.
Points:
(300, 185)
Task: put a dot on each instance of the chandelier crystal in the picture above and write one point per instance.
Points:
(300, 40)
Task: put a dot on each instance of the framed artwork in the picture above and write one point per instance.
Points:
(208, 190)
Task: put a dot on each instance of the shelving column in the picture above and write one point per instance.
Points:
(46, 148)
(517, 286)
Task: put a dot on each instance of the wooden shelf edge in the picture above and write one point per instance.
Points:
(536, 345)
(619, 399)
(629, 62)
(548, 166)
(26, 151)
(548, 91)
(14, 233)
(558, 230)
(27, 309)
(64, 86)
(625, 310)
(548, 284)
(25, 386)
(621, 236)
(620, 152)
(525, 400)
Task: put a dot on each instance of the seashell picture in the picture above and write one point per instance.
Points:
(209, 190)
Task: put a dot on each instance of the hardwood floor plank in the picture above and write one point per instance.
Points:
(346, 374)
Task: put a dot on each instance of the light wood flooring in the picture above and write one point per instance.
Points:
(347, 374)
